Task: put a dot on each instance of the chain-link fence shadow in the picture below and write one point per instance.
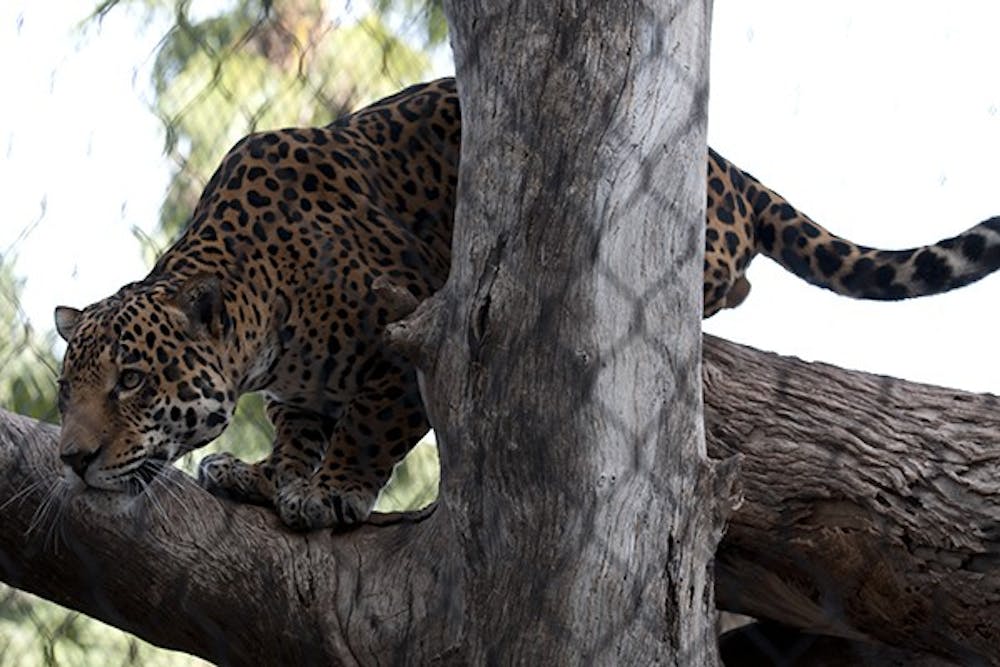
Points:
(210, 73)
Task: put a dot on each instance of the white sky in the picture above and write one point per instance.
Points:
(82, 159)
(879, 119)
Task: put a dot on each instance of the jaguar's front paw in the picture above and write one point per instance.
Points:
(224, 475)
(310, 505)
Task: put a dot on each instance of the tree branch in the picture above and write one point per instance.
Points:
(871, 504)
(223, 581)
(870, 511)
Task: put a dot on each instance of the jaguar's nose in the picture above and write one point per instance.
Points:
(78, 459)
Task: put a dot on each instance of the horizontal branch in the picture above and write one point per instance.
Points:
(870, 511)
(223, 581)
(872, 507)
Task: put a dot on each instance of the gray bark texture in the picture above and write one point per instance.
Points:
(869, 512)
(565, 351)
(561, 364)
(872, 508)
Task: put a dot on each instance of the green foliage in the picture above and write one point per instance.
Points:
(260, 66)
(27, 385)
(424, 17)
(37, 633)
(414, 482)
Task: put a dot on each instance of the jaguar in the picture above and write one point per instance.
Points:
(271, 288)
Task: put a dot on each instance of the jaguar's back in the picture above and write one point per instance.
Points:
(271, 288)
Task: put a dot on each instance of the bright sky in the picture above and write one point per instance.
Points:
(879, 119)
(82, 154)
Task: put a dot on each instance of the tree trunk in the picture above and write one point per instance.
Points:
(561, 361)
(564, 352)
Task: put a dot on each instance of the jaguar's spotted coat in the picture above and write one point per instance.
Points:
(270, 288)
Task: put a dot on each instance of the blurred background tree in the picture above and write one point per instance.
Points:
(222, 70)
(267, 65)
(26, 355)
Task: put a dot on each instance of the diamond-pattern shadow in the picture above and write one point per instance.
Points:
(255, 64)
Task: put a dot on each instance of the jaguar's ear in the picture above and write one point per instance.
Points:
(200, 299)
(66, 321)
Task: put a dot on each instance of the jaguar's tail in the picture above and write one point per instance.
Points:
(811, 252)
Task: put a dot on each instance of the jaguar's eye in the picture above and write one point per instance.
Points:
(130, 379)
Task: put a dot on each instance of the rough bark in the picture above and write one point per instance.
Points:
(585, 235)
(870, 511)
(219, 580)
(871, 504)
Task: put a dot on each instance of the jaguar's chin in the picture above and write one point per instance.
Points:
(72, 483)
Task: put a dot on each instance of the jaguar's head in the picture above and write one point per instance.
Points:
(143, 380)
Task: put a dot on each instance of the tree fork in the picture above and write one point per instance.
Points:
(828, 539)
